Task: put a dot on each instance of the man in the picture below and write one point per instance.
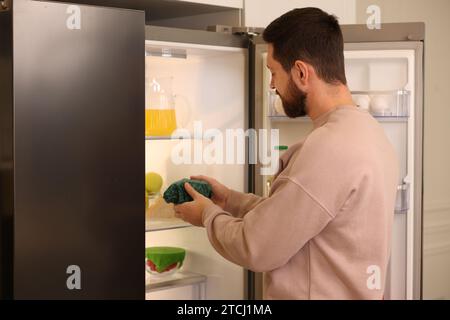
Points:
(324, 232)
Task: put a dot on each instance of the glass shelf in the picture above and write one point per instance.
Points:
(160, 224)
(148, 138)
(308, 120)
(383, 105)
(287, 119)
(179, 279)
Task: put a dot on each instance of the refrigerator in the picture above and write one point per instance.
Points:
(73, 153)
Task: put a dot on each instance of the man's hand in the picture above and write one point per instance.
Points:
(192, 211)
(219, 191)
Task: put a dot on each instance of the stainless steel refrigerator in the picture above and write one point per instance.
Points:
(73, 153)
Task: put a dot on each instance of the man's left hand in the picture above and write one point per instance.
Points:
(192, 211)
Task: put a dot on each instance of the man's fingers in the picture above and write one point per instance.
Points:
(192, 192)
(203, 178)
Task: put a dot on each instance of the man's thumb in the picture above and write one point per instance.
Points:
(191, 191)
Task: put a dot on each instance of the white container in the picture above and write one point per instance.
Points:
(380, 104)
(384, 103)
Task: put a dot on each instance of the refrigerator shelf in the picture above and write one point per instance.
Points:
(381, 104)
(160, 224)
(308, 120)
(147, 138)
(179, 279)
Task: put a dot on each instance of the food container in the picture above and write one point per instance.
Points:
(158, 208)
(384, 103)
(164, 261)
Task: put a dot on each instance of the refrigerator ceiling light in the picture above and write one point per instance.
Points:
(166, 53)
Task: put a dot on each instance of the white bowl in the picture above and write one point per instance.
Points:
(379, 104)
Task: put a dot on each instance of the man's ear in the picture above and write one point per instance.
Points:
(300, 74)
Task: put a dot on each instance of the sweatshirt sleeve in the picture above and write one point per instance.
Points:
(272, 232)
(238, 203)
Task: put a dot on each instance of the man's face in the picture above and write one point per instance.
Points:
(293, 99)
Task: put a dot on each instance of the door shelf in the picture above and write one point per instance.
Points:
(280, 118)
(308, 120)
(383, 105)
(160, 224)
(179, 279)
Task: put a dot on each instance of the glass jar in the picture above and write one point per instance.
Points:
(160, 115)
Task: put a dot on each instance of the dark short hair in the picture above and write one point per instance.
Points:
(310, 35)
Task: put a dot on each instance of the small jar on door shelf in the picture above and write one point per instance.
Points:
(269, 180)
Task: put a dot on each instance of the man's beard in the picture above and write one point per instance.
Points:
(294, 103)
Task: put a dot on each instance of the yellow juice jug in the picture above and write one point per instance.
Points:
(160, 118)
(160, 122)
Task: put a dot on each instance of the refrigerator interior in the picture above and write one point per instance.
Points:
(209, 84)
(387, 78)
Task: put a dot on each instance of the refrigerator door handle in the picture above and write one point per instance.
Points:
(402, 199)
(247, 31)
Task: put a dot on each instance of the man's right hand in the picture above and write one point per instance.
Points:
(220, 192)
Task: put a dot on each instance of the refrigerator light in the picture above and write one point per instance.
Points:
(166, 53)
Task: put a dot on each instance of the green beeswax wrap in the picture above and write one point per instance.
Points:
(177, 194)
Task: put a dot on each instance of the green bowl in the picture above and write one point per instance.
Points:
(164, 260)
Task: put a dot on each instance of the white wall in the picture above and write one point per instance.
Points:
(437, 131)
(238, 4)
(259, 13)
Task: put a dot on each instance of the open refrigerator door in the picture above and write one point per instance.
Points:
(385, 78)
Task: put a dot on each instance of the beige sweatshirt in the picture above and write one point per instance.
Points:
(324, 231)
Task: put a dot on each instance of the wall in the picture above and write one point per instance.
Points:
(436, 265)
(259, 13)
(225, 3)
